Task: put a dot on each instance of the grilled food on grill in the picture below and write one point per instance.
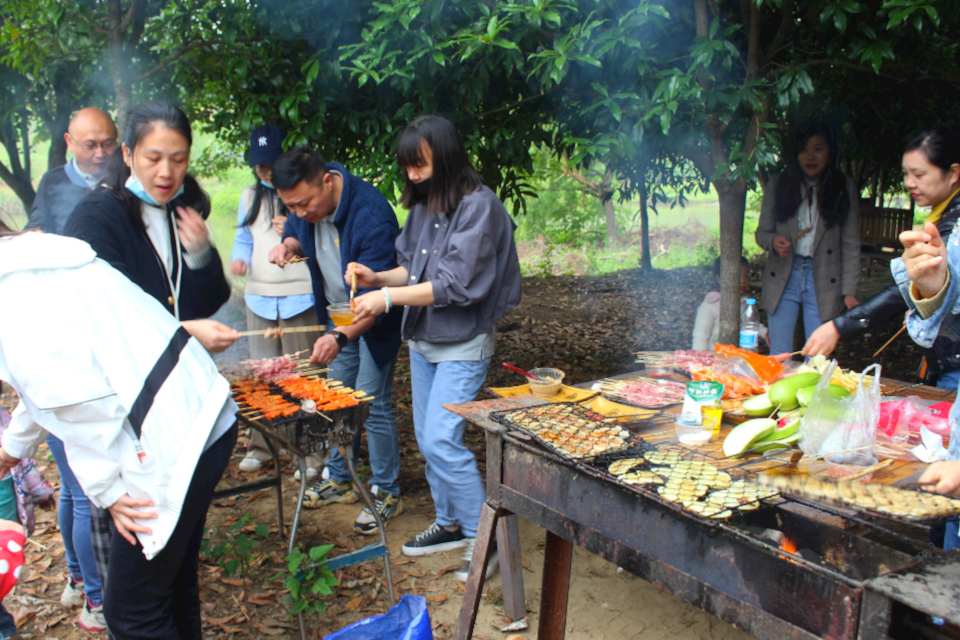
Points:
(699, 486)
(892, 501)
(571, 430)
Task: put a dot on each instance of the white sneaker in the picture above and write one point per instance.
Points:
(91, 618)
(250, 465)
(311, 474)
(72, 595)
(460, 575)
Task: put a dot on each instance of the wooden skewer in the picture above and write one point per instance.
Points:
(887, 343)
(311, 328)
(876, 467)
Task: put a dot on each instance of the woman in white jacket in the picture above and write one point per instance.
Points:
(147, 421)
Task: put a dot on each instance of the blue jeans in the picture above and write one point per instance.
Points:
(8, 626)
(800, 292)
(74, 516)
(949, 380)
(452, 473)
(355, 367)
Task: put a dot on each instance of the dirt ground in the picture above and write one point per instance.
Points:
(587, 326)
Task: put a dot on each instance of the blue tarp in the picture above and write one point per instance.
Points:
(407, 620)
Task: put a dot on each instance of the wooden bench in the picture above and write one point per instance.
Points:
(880, 230)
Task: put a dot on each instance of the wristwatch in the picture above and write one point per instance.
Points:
(341, 338)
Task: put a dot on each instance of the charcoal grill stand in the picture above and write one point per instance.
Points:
(722, 569)
(303, 442)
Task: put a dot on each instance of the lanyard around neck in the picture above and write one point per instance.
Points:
(173, 300)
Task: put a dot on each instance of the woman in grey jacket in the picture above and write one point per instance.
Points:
(810, 225)
(458, 274)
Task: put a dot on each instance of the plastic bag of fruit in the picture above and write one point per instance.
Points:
(854, 437)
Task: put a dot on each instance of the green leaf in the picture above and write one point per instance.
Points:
(316, 553)
(439, 59)
(262, 530)
(551, 16)
(615, 110)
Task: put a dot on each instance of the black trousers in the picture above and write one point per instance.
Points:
(159, 598)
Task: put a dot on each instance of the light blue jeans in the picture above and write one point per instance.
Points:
(452, 473)
(800, 293)
(74, 519)
(354, 366)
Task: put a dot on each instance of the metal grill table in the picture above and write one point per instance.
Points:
(312, 434)
(720, 567)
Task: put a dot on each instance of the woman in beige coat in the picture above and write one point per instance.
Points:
(810, 225)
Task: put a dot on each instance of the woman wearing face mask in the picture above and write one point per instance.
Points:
(141, 222)
(931, 173)
(275, 297)
(458, 274)
(810, 225)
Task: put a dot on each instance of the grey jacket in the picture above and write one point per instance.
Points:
(471, 259)
(836, 255)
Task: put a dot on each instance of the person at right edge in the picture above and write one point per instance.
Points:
(928, 278)
(459, 273)
(928, 158)
(810, 225)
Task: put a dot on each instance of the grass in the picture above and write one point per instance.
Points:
(684, 236)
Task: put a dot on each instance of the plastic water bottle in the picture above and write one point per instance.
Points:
(750, 327)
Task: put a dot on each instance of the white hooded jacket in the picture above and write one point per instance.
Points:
(93, 357)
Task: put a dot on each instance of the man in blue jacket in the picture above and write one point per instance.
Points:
(91, 137)
(338, 219)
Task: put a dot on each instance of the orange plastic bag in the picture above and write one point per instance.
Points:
(765, 367)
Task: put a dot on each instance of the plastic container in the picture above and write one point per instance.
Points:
(750, 327)
(693, 429)
(659, 366)
(340, 314)
(549, 384)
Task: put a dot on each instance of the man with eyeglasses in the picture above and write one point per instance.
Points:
(91, 137)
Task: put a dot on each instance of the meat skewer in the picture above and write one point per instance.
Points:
(279, 332)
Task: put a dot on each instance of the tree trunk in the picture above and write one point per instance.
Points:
(57, 153)
(606, 200)
(117, 25)
(733, 204)
(15, 175)
(25, 142)
(645, 263)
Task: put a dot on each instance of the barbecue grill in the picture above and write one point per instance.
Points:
(792, 568)
(318, 432)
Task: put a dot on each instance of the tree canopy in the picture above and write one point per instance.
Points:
(677, 93)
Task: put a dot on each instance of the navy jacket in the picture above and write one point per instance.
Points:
(101, 221)
(58, 193)
(368, 232)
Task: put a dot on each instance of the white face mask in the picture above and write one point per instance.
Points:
(136, 188)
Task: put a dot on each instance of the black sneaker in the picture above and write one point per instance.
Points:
(434, 539)
(460, 575)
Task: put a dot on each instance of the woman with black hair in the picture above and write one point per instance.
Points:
(458, 274)
(810, 225)
(275, 297)
(931, 174)
(148, 222)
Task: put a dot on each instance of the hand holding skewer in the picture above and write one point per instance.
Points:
(942, 477)
(924, 256)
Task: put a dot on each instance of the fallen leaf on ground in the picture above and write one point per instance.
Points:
(234, 582)
(452, 567)
(354, 604)
(440, 598)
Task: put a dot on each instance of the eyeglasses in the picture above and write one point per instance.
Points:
(107, 145)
